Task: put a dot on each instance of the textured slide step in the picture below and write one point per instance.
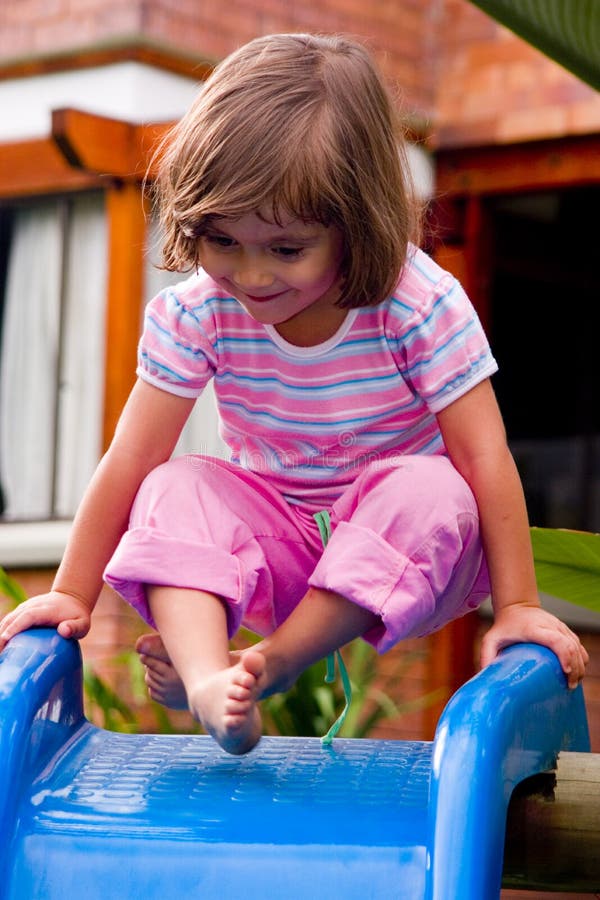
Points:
(348, 820)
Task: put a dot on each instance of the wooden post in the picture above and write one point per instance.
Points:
(553, 829)
(127, 230)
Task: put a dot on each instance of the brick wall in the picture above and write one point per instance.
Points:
(400, 33)
(455, 68)
(495, 88)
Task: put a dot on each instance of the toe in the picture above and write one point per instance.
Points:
(152, 645)
(254, 663)
(160, 668)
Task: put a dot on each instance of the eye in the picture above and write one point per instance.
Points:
(220, 241)
(287, 252)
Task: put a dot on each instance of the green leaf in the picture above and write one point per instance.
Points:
(11, 589)
(101, 695)
(567, 565)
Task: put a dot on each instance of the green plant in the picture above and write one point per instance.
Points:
(11, 589)
(567, 565)
(311, 706)
(105, 706)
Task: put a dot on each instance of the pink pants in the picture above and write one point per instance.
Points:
(405, 545)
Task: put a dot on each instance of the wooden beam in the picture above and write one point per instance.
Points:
(105, 146)
(127, 236)
(536, 166)
(83, 151)
(553, 829)
(96, 143)
(34, 167)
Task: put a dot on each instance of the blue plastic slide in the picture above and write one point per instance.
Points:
(87, 813)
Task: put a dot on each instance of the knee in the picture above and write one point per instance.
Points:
(413, 496)
(172, 472)
(435, 477)
(177, 480)
(419, 480)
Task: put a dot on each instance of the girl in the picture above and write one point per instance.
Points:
(352, 379)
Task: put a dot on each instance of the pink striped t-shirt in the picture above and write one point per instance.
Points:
(309, 419)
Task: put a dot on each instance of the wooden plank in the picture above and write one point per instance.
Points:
(520, 167)
(553, 828)
(84, 151)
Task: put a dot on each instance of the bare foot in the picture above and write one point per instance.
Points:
(163, 683)
(166, 687)
(226, 705)
(278, 677)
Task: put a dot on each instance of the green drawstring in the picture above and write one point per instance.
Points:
(323, 521)
(329, 678)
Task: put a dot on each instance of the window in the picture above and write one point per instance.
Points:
(53, 266)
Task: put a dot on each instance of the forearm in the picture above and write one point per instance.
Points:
(97, 528)
(476, 442)
(145, 437)
(504, 527)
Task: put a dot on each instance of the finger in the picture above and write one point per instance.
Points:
(491, 647)
(568, 649)
(581, 660)
(6, 621)
(74, 628)
(20, 620)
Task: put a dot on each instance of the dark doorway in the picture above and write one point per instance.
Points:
(544, 295)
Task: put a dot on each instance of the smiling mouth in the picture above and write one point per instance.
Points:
(265, 299)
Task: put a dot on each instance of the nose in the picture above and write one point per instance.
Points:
(252, 274)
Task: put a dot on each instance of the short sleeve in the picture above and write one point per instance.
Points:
(443, 350)
(175, 353)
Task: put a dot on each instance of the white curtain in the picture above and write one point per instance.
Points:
(52, 357)
(81, 388)
(28, 363)
(200, 434)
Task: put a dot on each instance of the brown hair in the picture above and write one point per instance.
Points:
(301, 123)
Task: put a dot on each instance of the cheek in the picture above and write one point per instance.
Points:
(324, 274)
(329, 276)
(213, 266)
(209, 259)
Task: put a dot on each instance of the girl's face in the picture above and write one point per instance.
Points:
(284, 275)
